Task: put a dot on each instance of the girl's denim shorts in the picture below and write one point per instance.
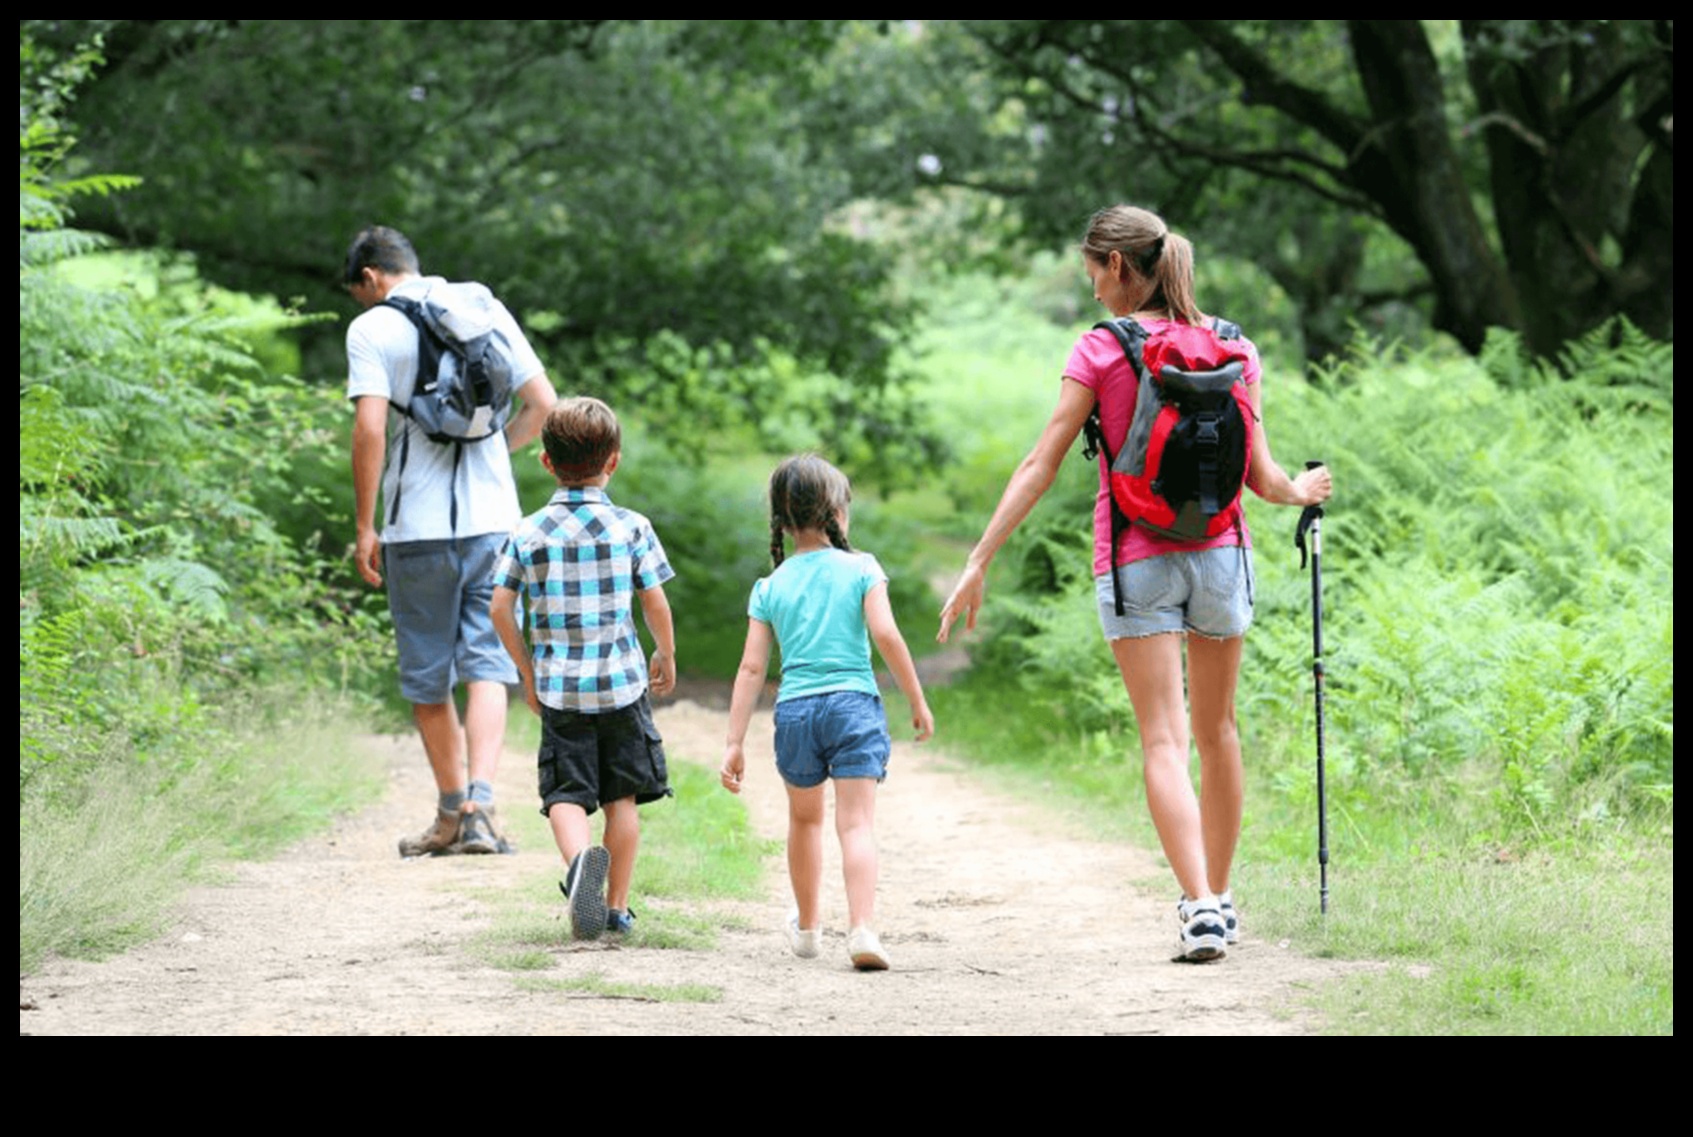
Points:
(838, 734)
(1208, 592)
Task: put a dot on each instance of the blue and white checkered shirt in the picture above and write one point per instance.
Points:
(578, 564)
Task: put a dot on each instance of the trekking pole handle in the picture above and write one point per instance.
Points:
(1309, 519)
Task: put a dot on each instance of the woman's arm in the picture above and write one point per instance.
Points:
(1032, 478)
(1268, 480)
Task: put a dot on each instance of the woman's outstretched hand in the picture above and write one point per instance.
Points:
(965, 601)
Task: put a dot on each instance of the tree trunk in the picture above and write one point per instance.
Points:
(1409, 167)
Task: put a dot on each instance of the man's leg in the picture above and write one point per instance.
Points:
(443, 742)
(485, 727)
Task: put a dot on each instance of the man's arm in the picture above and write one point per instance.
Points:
(538, 398)
(370, 445)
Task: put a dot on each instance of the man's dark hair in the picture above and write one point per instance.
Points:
(379, 247)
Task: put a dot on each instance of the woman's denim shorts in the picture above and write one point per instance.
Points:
(838, 734)
(1208, 592)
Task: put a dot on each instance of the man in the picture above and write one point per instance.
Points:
(447, 509)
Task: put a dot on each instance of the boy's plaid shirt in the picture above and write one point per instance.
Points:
(578, 564)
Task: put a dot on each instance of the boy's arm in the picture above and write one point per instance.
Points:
(503, 610)
(661, 671)
(749, 681)
(879, 619)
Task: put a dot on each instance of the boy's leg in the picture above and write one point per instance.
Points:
(855, 817)
(570, 829)
(805, 852)
(622, 841)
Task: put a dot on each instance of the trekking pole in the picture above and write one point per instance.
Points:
(1311, 521)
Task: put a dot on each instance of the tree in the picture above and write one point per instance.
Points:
(644, 195)
(1531, 179)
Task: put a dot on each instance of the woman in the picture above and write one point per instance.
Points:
(1196, 594)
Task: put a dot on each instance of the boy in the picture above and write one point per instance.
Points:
(580, 563)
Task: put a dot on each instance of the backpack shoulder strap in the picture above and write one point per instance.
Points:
(1132, 337)
(1225, 329)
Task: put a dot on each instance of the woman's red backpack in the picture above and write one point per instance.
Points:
(1184, 461)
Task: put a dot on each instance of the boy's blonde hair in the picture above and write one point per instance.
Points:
(581, 435)
(806, 492)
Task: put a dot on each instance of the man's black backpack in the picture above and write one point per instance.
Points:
(465, 371)
(464, 364)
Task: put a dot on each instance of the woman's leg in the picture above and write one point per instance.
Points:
(805, 852)
(1213, 668)
(855, 825)
(1152, 672)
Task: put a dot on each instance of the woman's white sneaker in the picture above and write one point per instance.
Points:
(1204, 935)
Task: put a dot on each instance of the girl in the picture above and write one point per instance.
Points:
(819, 604)
(1195, 595)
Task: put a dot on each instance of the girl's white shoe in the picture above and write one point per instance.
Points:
(866, 950)
(805, 942)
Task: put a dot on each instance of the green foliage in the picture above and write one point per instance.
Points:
(155, 588)
(652, 198)
(1497, 590)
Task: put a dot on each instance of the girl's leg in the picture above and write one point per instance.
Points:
(1152, 672)
(1213, 668)
(805, 852)
(622, 840)
(855, 818)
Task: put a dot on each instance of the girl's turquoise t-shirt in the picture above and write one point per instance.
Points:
(814, 602)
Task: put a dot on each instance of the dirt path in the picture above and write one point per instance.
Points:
(994, 923)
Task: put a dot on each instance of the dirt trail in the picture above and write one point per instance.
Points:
(995, 923)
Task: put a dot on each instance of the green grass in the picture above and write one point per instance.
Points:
(100, 866)
(1488, 943)
(696, 849)
(1472, 934)
(601, 988)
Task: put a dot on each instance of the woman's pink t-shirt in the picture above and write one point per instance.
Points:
(1097, 362)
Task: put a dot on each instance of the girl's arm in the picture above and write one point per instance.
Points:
(1268, 480)
(749, 681)
(503, 610)
(879, 619)
(1033, 477)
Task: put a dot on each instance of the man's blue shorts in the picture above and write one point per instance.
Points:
(438, 594)
(838, 734)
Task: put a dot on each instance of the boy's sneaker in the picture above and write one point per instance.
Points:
(806, 942)
(1204, 935)
(584, 888)
(866, 950)
(476, 829)
(440, 838)
(1231, 919)
(620, 921)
